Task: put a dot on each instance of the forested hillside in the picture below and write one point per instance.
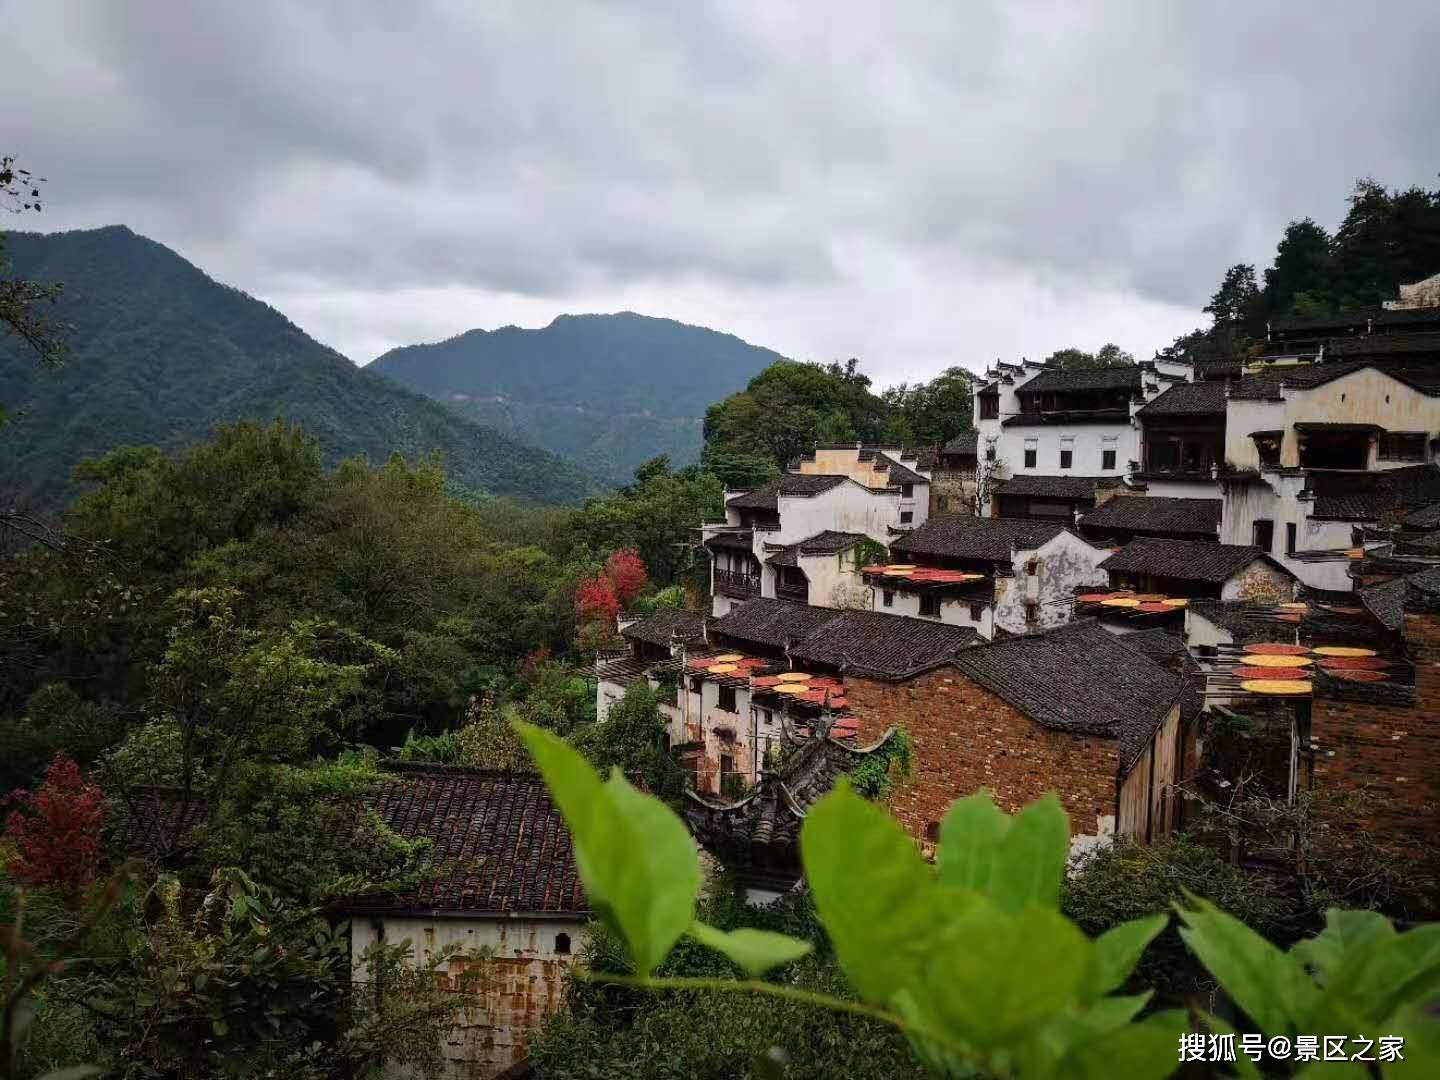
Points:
(1386, 239)
(159, 353)
(608, 391)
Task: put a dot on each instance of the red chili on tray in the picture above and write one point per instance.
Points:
(1243, 672)
(1275, 648)
(1356, 675)
(1354, 663)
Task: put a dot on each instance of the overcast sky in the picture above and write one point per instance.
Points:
(917, 185)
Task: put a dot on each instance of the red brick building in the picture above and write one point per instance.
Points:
(1077, 711)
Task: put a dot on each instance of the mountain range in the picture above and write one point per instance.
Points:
(159, 353)
(607, 391)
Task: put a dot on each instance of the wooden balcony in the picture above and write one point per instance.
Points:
(737, 585)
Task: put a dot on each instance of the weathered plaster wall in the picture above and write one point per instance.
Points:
(1259, 583)
(517, 988)
(1062, 564)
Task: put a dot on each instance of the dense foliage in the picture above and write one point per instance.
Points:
(247, 631)
(972, 959)
(790, 407)
(608, 391)
(1387, 239)
(156, 352)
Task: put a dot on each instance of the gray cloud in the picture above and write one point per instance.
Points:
(917, 184)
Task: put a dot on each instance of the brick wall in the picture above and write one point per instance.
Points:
(966, 739)
(1390, 752)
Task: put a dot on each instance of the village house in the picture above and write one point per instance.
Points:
(803, 536)
(995, 575)
(1182, 441)
(1074, 710)
(1308, 449)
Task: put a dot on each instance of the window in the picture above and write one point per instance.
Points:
(989, 406)
(907, 491)
(1107, 459)
(562, 944)
(727, 769)
(942, 502)
(1066, 457)
(1032, 612)
(727, 699)
(906, 516)
(977, 612)
(1267, 446)
(930, 606)
(1030, 455)
(1264, 534)
(888, 598)
(1402, 446)
(990, 450)
(1290, 538)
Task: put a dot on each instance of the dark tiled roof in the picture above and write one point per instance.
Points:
(624, 670)
(498, 842)
(759, 834)
(888, 646)
(1056, 487)
(1346, 496)
(1265, 385)
(830, 542)
(1157, 513)
(1068, 416)
(865, 642)
(1184, 560)
(962, 536)
(1188, 399)
(771, 623)
(742, 540)
(658, 627)
(1116, 378)
(967, 442)
(1080, 678)
(1385, 345)
(1426, 517)
(1160, 645)
(1387, 602)
(900, 474)
(792, 485)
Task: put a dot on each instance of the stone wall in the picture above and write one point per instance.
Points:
(966, 739)
(1390, 753)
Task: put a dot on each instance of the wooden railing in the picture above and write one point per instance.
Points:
(733, 583)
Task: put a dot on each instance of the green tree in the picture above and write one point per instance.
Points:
(1236, 308)
(929, 413)
(788, 408)
(631, 738)
(1109, 355)
(1301, 279)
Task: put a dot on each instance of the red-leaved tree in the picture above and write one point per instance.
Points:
(596, 599)
(626, 571)
(56, 831)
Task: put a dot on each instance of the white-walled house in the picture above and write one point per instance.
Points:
(803, 536)
(505, 882)
(1313, 451)
(1028, 570)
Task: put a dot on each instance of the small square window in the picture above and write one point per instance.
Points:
(888, 598)
(1032, 612)
(977, 612)
(907, 491)
(906, 516)
(1030, 455)
(727, 699)
(930, 606)
(1107, 459)
(1066, 456)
